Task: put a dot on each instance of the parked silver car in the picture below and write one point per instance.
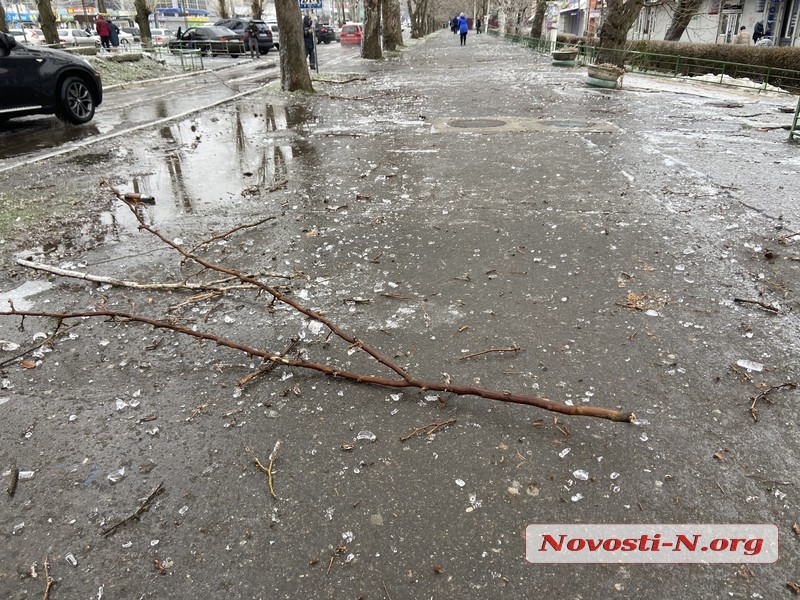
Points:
(78, 37)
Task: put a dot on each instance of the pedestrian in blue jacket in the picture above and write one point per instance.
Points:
(463, 28)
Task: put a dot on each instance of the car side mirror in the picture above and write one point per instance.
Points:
(7, 42)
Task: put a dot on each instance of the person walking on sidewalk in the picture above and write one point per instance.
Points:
(252, 39)
(463, 28)
(308, 40)
(478, 25)
(104, 31)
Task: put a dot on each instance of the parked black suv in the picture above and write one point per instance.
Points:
(325, 33)
(239, 25)
(41, 81)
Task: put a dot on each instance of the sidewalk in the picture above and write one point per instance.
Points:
(457, 203)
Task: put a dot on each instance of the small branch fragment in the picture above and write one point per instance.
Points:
(768, 307)
(13, 479)
(513, 348)
(49, 581)
(794, 586)
(143, 507)
(428, 429)
(270, 463)
(763, 395)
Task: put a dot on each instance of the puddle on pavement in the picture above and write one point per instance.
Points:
(20, 296)
(212, 163)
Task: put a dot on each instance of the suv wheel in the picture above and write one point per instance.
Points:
(75, 102)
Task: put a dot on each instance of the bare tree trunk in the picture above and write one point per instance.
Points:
(222, 9)
(684, 12)
(620, 17)
(143, 11)
(257, 9)
(295, 76)
(418, 12)
(48, 21)
(355, 10)
(392, 30)
(371, 46)
(3, 24)
(101, 7)
(538, 19)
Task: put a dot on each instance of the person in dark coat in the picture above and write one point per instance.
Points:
(113, 36)
(104, 31)
(454, 24)
(758, 32)
(308, 40)
(252, 39)
(478, 25)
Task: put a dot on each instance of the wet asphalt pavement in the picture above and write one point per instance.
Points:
(437, 204)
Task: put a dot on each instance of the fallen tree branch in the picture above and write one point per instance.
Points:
(127, 283)
(406, 380)
(513, 348)
(143, 507)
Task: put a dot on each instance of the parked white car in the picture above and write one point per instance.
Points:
(30, 37)
(276, 34)
(78, 37)
(161, 37)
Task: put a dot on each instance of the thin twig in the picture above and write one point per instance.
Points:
(234, 230)
(270, 463)
(272, 458)
(429, 429)
(514, 348)
(765, 306)
(49, 581)
(388, 596)
(143, 507)
(44, 342)
(763, 395)
(266, 369)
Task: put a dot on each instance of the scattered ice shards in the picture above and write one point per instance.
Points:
(652, 313)
(564, 452)
(103, 343)
(39, 335)
(581, 475)
(7, 346)
(228, 319)
(460, 482)
(18, 527)
(154, 543)
(70, 558)
(367, 436)
(750, 365)
(183, 510)
(778, 494)
(577, 497)
(4, 399)
(5, 384)
(614, 475)
(473, 503)
(117, 476)
(26, 474)
(316, 327)
(348, 536)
